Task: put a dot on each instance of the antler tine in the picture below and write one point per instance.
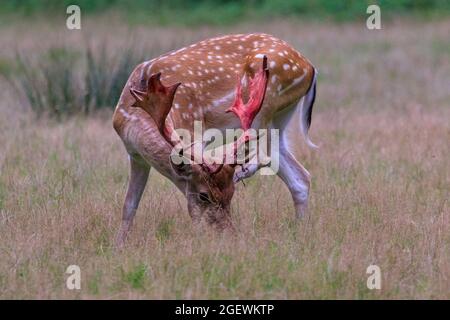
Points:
(141, 94)
(163, 100)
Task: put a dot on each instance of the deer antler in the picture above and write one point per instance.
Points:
(246, 112)
(157, 101)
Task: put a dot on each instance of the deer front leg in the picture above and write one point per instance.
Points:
(245, 171)
(139, 171)
(248, 169)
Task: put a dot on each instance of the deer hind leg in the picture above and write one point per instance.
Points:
(293, 174)
(139, 171)
(296, 178)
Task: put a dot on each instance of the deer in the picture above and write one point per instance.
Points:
(209, 81)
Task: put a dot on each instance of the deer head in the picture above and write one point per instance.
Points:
(209, 187)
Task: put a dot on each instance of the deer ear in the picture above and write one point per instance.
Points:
(138, 95)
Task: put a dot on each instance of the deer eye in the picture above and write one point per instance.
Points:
(204, 197)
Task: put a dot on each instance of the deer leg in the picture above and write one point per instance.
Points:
(139, 171)
(296, 178)
(245, 171)
(249, 168)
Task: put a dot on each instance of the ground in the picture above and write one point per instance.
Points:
(380, 183)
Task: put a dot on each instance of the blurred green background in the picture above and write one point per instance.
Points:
(222, 12)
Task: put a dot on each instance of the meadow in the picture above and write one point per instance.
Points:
(380, 189)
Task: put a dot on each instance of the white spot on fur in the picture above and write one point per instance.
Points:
(274, 78)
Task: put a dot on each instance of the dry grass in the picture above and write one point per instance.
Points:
(380, 194)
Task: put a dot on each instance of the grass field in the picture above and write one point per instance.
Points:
(380, 192)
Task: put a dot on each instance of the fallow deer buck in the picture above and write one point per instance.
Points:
(201, 83)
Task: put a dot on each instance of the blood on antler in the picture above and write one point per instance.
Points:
(246, 112)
